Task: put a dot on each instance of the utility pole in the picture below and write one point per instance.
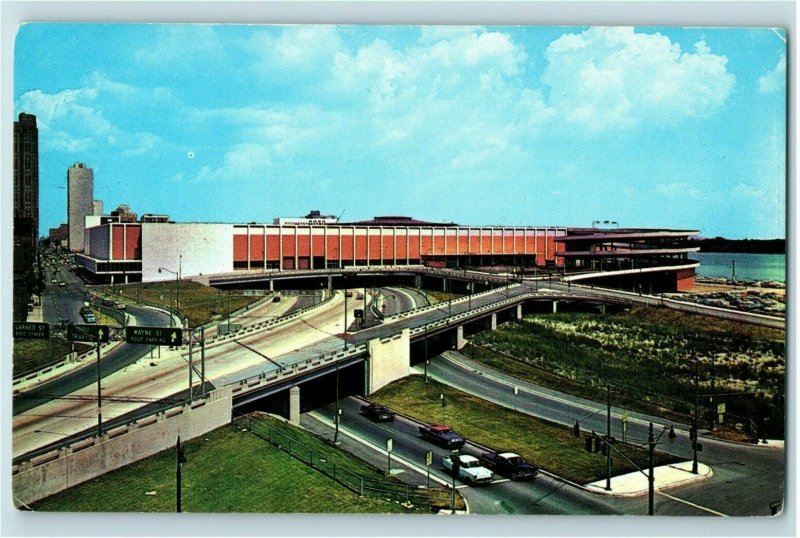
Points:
(99, 400)
(180, 460)
(651, 479)
(426, 353)
(336, 411)
(345, 317)
(608, 437)
(694, 426)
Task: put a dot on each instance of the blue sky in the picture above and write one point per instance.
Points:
(681, 128)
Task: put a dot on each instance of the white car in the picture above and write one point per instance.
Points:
(470, 469)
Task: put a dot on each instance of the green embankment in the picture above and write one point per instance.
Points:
(550, 446)
(648, 355)
(228, 470)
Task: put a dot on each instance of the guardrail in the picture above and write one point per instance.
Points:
(355, 482)
(265, 325)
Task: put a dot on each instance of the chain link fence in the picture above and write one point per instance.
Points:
(355, 482)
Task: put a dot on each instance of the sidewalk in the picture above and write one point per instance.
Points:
(636, 483)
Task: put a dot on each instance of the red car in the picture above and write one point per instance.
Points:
(441, 435)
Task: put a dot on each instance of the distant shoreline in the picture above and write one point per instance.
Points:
(741, 246)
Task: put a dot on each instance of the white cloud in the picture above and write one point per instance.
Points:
(242, 162)
(774, 79)
(182, 44)
(680, 190)
(296, 49)
(74, 120)
(608, 78)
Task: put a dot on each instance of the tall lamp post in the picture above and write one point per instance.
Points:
(177, 280)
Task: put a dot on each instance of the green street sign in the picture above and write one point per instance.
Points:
(87, 333)
(428, 458)
(154, 336)
(31, 329)
(721, 408)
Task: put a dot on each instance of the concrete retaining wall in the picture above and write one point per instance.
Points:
(389, 360)
(59, 470)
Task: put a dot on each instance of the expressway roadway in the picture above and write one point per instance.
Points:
(544, 495)
(756, 469)
(153, 379)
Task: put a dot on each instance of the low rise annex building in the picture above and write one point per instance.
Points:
(156, 250)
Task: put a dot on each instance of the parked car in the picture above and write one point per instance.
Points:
(378, 413)
(470, 469)
(120, 306)
(510, 465)
(62, 283)
(53, 280)
(441, 435)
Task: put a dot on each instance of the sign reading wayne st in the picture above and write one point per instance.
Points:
(87, 333)
(156, 336)
(31, 329)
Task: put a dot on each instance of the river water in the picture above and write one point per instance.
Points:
(748, 266)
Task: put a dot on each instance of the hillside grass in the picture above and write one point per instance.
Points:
(650, 356)
(549, 446)
(228, 470)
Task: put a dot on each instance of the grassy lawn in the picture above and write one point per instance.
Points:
(580, 353)
(35, 354)
(435, 297)
(551, 447)
(199, 303)
(227, 471)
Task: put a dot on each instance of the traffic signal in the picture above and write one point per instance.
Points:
(598, 443)
(693, 433)
(456, 461)
(588, 443)
(181, 453)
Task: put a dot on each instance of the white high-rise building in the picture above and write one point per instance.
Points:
(80, 188)
(98, 207)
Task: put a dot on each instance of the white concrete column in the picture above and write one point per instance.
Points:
(555, 307)
(294, 405)
(493, 325)
(460, 338)
(519, 312)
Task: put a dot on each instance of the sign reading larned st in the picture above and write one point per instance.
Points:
(31, 329)
(155, 336)
(87, 333)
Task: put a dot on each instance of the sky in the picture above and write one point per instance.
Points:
(512, 125)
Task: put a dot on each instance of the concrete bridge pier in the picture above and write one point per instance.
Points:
(460, 341)
(519, 312)
(271, 285)
(294, 405)
(493, 323)
(555, 307)
(418, 281)
(330, 282)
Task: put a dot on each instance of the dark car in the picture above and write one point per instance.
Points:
(378, 413)
(441, 435)
(510, 465)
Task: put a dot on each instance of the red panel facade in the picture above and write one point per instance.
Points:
(288, 244)
(374, 247)
(133, 242)
(388, 246)
(318, 243)
(117, 242)
(273, 248)
(240, 248)
(257, 247)
(400, 246)
(414, 248)
(438, 243)
(333, 247)
(361, 247)
(426, 248)
(303, 243)
(685, 280)
(347, 246)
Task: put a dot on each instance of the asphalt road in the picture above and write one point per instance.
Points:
(544, 495)
(746, 477)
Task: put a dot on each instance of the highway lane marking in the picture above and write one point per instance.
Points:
(446, 356)
(692, 504)
(377, 448)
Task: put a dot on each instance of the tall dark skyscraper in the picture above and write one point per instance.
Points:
(26, 210)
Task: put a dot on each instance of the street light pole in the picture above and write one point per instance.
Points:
(694, 426)
(608, 437)
(99, 400)
(651, 479)
(336, 410)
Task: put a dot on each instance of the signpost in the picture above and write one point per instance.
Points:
(97, 334)
(428, 463)
(154, 336)
(87, 333)
(389, 443)
(31, 329)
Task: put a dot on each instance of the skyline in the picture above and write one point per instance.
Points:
(649, 127)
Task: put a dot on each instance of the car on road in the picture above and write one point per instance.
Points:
(441, 435)
(510, 465)
(53, 280)
(62, 284)
(470, 469)
(377, 413)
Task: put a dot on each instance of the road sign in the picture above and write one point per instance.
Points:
(31, 329)
(516, 390)
(87, 333)
(155, 336)
(358, 313)
(428, 458)
(720, 408)
(388, 445)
